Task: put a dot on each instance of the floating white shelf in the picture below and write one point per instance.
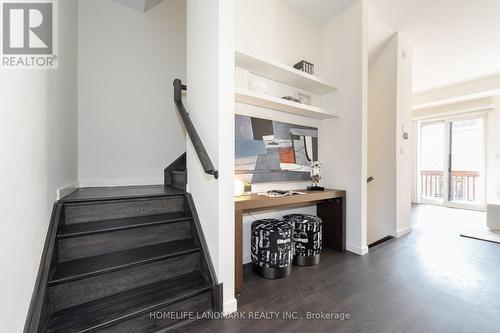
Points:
(282, 73)
(276, 103)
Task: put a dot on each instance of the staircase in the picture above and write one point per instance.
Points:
(112, 262)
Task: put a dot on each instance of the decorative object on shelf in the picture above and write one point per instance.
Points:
(315, 177)
(258, 86)
(291, 99)
(247, 187)
(304, 98)
(273, 151)
(305, 66)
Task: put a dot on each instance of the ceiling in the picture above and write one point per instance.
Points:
(140, 5)
(321, 11)
(453, 40)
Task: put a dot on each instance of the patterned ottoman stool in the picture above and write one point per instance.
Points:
(272, 248)
(306, 238)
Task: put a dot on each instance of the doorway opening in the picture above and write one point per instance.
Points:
(452, 160)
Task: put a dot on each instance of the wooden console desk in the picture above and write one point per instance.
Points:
(330, 205)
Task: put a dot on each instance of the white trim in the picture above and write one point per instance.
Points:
(415, 150)
(467, 206)
(120, 182)
(457, 113)
(357, 250)
(230, 307)
(459, 92)
(67, 189)
(451, 101)
(404, 231)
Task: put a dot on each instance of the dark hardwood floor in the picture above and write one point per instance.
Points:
(431, 280)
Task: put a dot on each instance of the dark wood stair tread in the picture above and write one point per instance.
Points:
(121, 192)
(90, 228)
(125, 305)
(91, 266)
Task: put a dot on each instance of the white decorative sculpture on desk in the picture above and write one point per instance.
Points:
(315, 177)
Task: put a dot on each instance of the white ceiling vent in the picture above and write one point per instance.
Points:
(140, 5)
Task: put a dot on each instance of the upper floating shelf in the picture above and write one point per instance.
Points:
(282, 73)
(279, 104)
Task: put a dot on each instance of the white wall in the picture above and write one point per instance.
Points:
(343, 141)
(389, 154)
(129, 129)
(210, 102)
(275, 30)
(271, 29)
(382, 109)
(493, 153)
(38, 142)
(404, 147)
(379, 35)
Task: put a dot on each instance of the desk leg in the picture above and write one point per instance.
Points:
(332, 212)
(238, 252)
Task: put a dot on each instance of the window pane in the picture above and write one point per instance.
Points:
(467, 160)
(432, 161)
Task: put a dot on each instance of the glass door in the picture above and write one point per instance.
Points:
(467, 186)
(452, 162)
(432, 162)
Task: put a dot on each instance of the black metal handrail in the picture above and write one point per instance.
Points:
(191, 130)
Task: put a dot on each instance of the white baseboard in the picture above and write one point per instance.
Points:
(120, 182)
(357, 250)
(402, 232)
(230, 306)
(67, 189)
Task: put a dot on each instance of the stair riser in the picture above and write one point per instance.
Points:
(92, 245)
(179, 179)
(88, 289)
(148, 323)
(90, 212)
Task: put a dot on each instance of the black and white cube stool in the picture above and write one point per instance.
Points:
(306, 237)
(272, 248)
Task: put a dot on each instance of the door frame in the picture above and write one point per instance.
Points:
(447, 120)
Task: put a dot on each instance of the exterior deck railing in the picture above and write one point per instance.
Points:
(463, 185)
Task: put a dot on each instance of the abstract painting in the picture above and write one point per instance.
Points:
(273, 151)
